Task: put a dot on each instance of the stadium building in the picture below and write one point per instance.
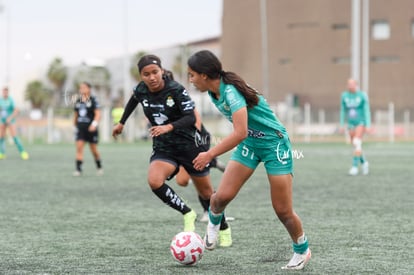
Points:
(306, 48)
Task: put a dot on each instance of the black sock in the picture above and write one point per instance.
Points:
(168, 195)
(98, 163)
(204, 203)
(223, 224)
(79, 165)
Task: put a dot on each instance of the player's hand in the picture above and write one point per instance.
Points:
(117, 130)
(156, 131)
(92, 128)
(202, 161)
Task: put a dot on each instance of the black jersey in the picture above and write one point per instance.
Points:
(86, 111)
(167, 106)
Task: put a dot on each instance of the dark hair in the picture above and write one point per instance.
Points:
(168, 74)
(148, 60)
(89, 85)
(205, 62)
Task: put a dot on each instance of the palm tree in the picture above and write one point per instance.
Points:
(133, 70)
(57, 74)
(37, 94)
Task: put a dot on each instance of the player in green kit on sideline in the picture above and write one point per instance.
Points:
(356, 111)
(258, 137)
(8, 113)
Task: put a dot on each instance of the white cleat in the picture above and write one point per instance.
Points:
(210, 239)
(353, 171)
(365, 168)
(77, 173)
(298, 261)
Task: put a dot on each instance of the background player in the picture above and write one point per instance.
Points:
(356, 111)
(86, 118)
(8, 113)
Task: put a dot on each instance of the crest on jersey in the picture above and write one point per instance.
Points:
(170, 101)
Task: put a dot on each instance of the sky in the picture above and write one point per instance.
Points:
(80, 30)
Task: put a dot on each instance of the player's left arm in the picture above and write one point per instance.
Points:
(14, 114)
(186, 110)
(96, 117)
(367, 112)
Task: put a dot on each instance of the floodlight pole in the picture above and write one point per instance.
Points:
(355, 39)
(126, 60)
(365, 46)
(265, 51)
(6, 9)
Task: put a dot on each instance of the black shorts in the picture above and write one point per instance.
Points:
(184, 159)
(83, 134)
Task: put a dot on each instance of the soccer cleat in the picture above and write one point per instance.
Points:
(189, 221)
(204, 218)
(298, 261)
(210, 239)
(2, 156)
(77, 173)
(365, 168)
(225, 239)
(221, 166)
(353, 171)
(218, 164)
(24, 155)
(99, 172)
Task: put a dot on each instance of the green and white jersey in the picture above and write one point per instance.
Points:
(263, 125)
(355, 109)
(6, 108)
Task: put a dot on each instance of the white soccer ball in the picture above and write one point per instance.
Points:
(187, 248)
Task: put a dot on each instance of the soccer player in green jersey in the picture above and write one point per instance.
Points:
(258, 137)
(8, 113)
(170, 110)
(356, 111)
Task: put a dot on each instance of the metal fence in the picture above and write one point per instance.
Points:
(303, 124)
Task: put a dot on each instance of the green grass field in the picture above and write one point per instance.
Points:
(53, 223)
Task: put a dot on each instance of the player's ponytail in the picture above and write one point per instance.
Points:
(205, 62)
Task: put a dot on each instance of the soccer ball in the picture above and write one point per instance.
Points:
(187, 248)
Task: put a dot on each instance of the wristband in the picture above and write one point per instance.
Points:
(94, 123)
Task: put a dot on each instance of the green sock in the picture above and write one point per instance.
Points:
(301, 246)
(2, 150)
(355, 161)
(18, 144)
(215, 218)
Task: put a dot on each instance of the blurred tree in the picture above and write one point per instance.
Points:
(180, 64)
(37, 94)
(57, 75)
(133, 70)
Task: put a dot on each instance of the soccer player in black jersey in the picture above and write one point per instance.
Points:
(87, 115)
(170, 110)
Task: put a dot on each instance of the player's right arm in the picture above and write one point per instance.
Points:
(75, 119)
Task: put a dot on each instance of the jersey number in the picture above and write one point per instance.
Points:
(246, 152)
